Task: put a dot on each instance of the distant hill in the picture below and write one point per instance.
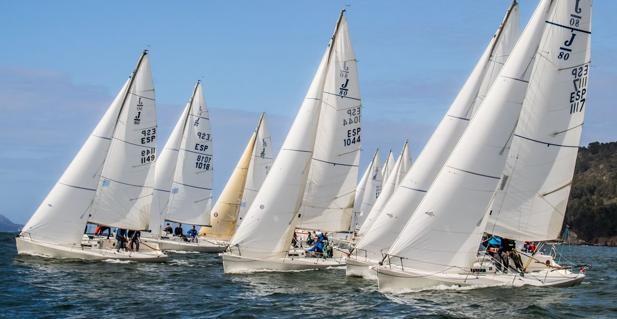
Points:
(592, 208)
(7, 225)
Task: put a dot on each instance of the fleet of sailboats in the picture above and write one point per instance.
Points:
(498, 165)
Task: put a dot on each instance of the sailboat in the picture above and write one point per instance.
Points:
(535, 117)
(109, 182)
(241, 188)
(399, 170)
(367, 191)
(394, 214)
(312, 181)
(183, 192)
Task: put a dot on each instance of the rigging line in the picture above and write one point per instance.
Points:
(545, 143)
(334, 163)
(294, 150)
(343, 96)
(575, 66)
(557, 189)
(335, 108)
(78, 187)
(473, 173)
(567, 27)
(515, 79)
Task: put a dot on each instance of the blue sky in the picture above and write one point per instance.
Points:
(62, 62)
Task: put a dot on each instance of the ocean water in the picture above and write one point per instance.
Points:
(193, 285)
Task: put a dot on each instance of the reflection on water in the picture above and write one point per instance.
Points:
(194, 285)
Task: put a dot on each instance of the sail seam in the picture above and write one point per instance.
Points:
(123, 183)
(546, 143)
(141, 96)
(102, 137)
(199, 116)
(458, 117)
(414, 189)
(567, 27)
(342, 96)
(191, 151)
(79, 187)
(334, 163)
(193, 186)
(294, 150)
(473, 173)
(134, 144)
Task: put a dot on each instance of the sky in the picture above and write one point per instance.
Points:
(62, 62)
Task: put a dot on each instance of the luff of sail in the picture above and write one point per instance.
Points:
(367, 191)
(387, 167)
(65, 207)
(412, 189)
(261, 162)
(224, 214)
(400, 168)
(531, 199)
(328, 200)
(266, 229)
(444, 233)
(164, 172)
(191, 191)
(124, 193)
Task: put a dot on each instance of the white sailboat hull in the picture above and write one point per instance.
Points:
(26, 246)
(358, 268)
(393, 280)
(203, 245)
(234, 264)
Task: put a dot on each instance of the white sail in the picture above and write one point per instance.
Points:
(267, 226)
(403, 202)
(62, 216)
(444, 233)
(191, 191)
(400, 168)
(367, 191)
(261, 162)
(124, 193)
(531, 199)
(328, 199)
(164, 172)
(387, 166)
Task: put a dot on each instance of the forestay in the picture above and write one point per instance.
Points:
(333, 174)
(62, 216)
(531, 200)
(124, 193)
(261, 162)
(191, 191)
(367, 191)
(444, 233)
(400, 168)
(398, 210)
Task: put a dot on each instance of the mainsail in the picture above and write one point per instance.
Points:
(124, 192)
(400, 168)
(444, 233)
(367, 191)
(268, 225)
(225, 213)
(531, 199)
(191, 190)
(333, 173)
(62, 215)
(261, 162)
(397, 211)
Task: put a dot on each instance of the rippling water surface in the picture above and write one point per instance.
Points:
(193, 285)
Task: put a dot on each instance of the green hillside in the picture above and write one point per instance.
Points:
(592, 209)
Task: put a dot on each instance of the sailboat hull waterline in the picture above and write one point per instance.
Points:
(27, 246)
(357, 268)
(235, 264)
(202, 246)
(397, 281)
